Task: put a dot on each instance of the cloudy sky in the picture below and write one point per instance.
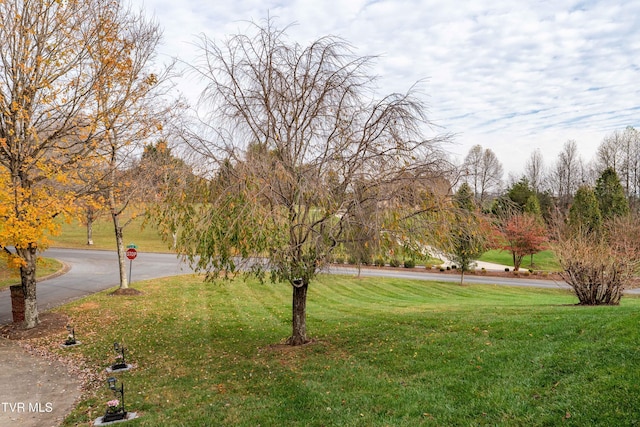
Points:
(509, 75)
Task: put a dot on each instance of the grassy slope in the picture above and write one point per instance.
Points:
(388, 352)
(545, 260)
(46, 266)
(74, 235)
(147, 239)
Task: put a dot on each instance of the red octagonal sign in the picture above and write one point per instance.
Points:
(132, 253)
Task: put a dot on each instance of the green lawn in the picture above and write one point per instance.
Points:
(46, 266)
(387, 352)
(74, 235)
(544, 261)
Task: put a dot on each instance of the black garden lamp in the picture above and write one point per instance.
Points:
(115, 408)
(71, 337)
(120, 362)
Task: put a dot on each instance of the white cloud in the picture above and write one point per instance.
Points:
(512, 76)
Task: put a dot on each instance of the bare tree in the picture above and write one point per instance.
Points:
(484, 172)
(567, 174)
(127, 109)
(303, 150)
(610, 154)
(535, 171)
(621, 151)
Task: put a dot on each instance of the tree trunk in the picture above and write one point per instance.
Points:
(299, 334)
(89, 231)
(28, 280)
(124, 282)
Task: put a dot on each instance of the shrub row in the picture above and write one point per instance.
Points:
(378, 262)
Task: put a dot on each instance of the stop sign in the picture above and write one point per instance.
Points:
(132, 253)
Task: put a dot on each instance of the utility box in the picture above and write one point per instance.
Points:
(17, 303)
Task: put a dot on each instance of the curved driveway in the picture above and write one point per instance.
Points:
(92, 271)
(95, 270)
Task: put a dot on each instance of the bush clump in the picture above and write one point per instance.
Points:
(409, 263)
(394, 262)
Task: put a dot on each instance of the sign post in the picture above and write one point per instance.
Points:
(132, 253)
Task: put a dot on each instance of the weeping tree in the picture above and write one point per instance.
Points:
(298, 147)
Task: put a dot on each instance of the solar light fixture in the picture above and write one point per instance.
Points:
(120, 360)
(115, 408)
(71, 337)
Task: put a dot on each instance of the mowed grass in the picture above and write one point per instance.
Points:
(46, 267)
(543, 261)
(386, 352)
(144, 236)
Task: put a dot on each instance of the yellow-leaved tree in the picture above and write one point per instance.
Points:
(49, 125)
(129, 109)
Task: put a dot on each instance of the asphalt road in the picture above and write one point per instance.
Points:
(468, 279)
(94, 270)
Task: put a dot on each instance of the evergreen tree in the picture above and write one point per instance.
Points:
(471, 233)
(533, 206)
(610, 195)
(584, 213)
(520, 192)
(464, 198)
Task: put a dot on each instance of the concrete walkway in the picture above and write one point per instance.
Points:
(35, 392)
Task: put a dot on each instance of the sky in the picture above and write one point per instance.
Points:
(512, 76)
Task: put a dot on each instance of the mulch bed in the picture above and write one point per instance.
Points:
(50, 324)
(126, 292)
